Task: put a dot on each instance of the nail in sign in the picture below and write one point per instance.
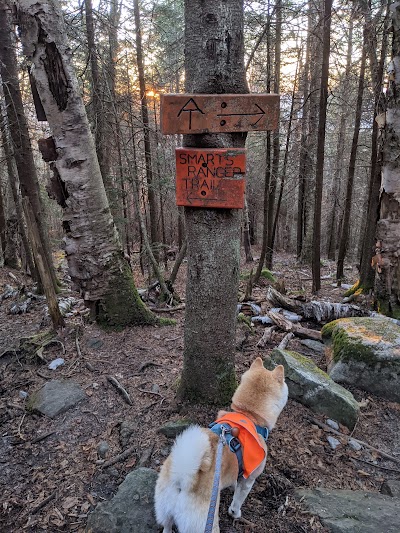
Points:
(216, 113)
(210, 177)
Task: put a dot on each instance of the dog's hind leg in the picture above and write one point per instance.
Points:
(168, 526)
(242, 489)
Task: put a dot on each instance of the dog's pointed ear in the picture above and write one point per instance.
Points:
(257, 363)
(279, 373)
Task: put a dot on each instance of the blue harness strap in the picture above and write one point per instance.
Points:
(232, 442)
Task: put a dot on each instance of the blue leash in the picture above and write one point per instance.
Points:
(215, 487)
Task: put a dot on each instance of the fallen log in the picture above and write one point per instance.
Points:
(319, 311)
(285, 324)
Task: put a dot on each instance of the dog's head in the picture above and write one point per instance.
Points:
(262, 393)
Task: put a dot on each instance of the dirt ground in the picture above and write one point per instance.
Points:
(50, 473)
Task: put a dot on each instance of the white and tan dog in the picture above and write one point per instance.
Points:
(183, 489)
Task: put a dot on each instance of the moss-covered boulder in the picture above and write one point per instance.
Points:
(365, 352)
(312, 387)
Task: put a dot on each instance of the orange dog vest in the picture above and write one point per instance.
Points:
(252, 449)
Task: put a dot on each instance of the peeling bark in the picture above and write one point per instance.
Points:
(95, 260)
(387, 282)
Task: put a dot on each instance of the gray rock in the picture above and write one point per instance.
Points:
(391, 487)
(332, 424)
(174, 428)
(314, 388)
(102, 449)
(347, 511)
(365, 352)
(333, 442)
(131, 510)
(55, 397)
(316, 346)
(126, 429)
(354, 445)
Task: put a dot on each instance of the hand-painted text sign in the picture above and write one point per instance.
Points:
(216, 113)
(210, 177)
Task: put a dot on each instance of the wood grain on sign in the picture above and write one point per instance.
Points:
(216, 113)
(210, 177)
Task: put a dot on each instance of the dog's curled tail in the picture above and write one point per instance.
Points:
(191, 453)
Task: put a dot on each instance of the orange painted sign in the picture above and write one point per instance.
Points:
(216, 113)
(210, 177)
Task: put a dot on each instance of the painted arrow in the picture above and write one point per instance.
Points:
(261, 112)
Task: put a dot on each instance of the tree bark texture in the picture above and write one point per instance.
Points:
(319, 175)
(214, 62)
(387, 285)
(22, 149)
(96, 264)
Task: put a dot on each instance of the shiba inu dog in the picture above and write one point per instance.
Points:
(184, 486)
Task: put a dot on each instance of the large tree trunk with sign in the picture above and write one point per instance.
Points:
(95, 260)
(387, 260)
(214, 62)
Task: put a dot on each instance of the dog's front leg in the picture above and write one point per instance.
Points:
(242, 489)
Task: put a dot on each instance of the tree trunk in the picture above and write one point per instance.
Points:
(285, 158)
(304, 153)
(367, 274)
(319, 175)
(387, 283)
(2, 224)
(214, 61)
(146, 134)
(336, 186)
(275, 138)
(22, 149)
(352, 167)
(12, 180)
(38, 253)
(96, 264)
(267, 177)
(246, 233)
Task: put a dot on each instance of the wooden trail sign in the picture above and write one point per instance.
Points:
(216, 113)
(210, 177)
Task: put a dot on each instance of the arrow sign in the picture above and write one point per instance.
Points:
(260, 112)
(216, 113)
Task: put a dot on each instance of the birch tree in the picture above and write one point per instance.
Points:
(95, 260)
(387, 283)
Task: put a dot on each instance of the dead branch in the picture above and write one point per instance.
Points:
(44, 502)
(168, 309)
(120, 457)
(353, 459)
(42, 437)
(319, 311)
(365, 444)
(146, 455)
(267, 335)
(285, 341)
(120, 389)
(151, 392)
(285, 324)
(249, 524)
(178, 261)
(147, 364)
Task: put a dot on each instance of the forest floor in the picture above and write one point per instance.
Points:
(50, 475)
